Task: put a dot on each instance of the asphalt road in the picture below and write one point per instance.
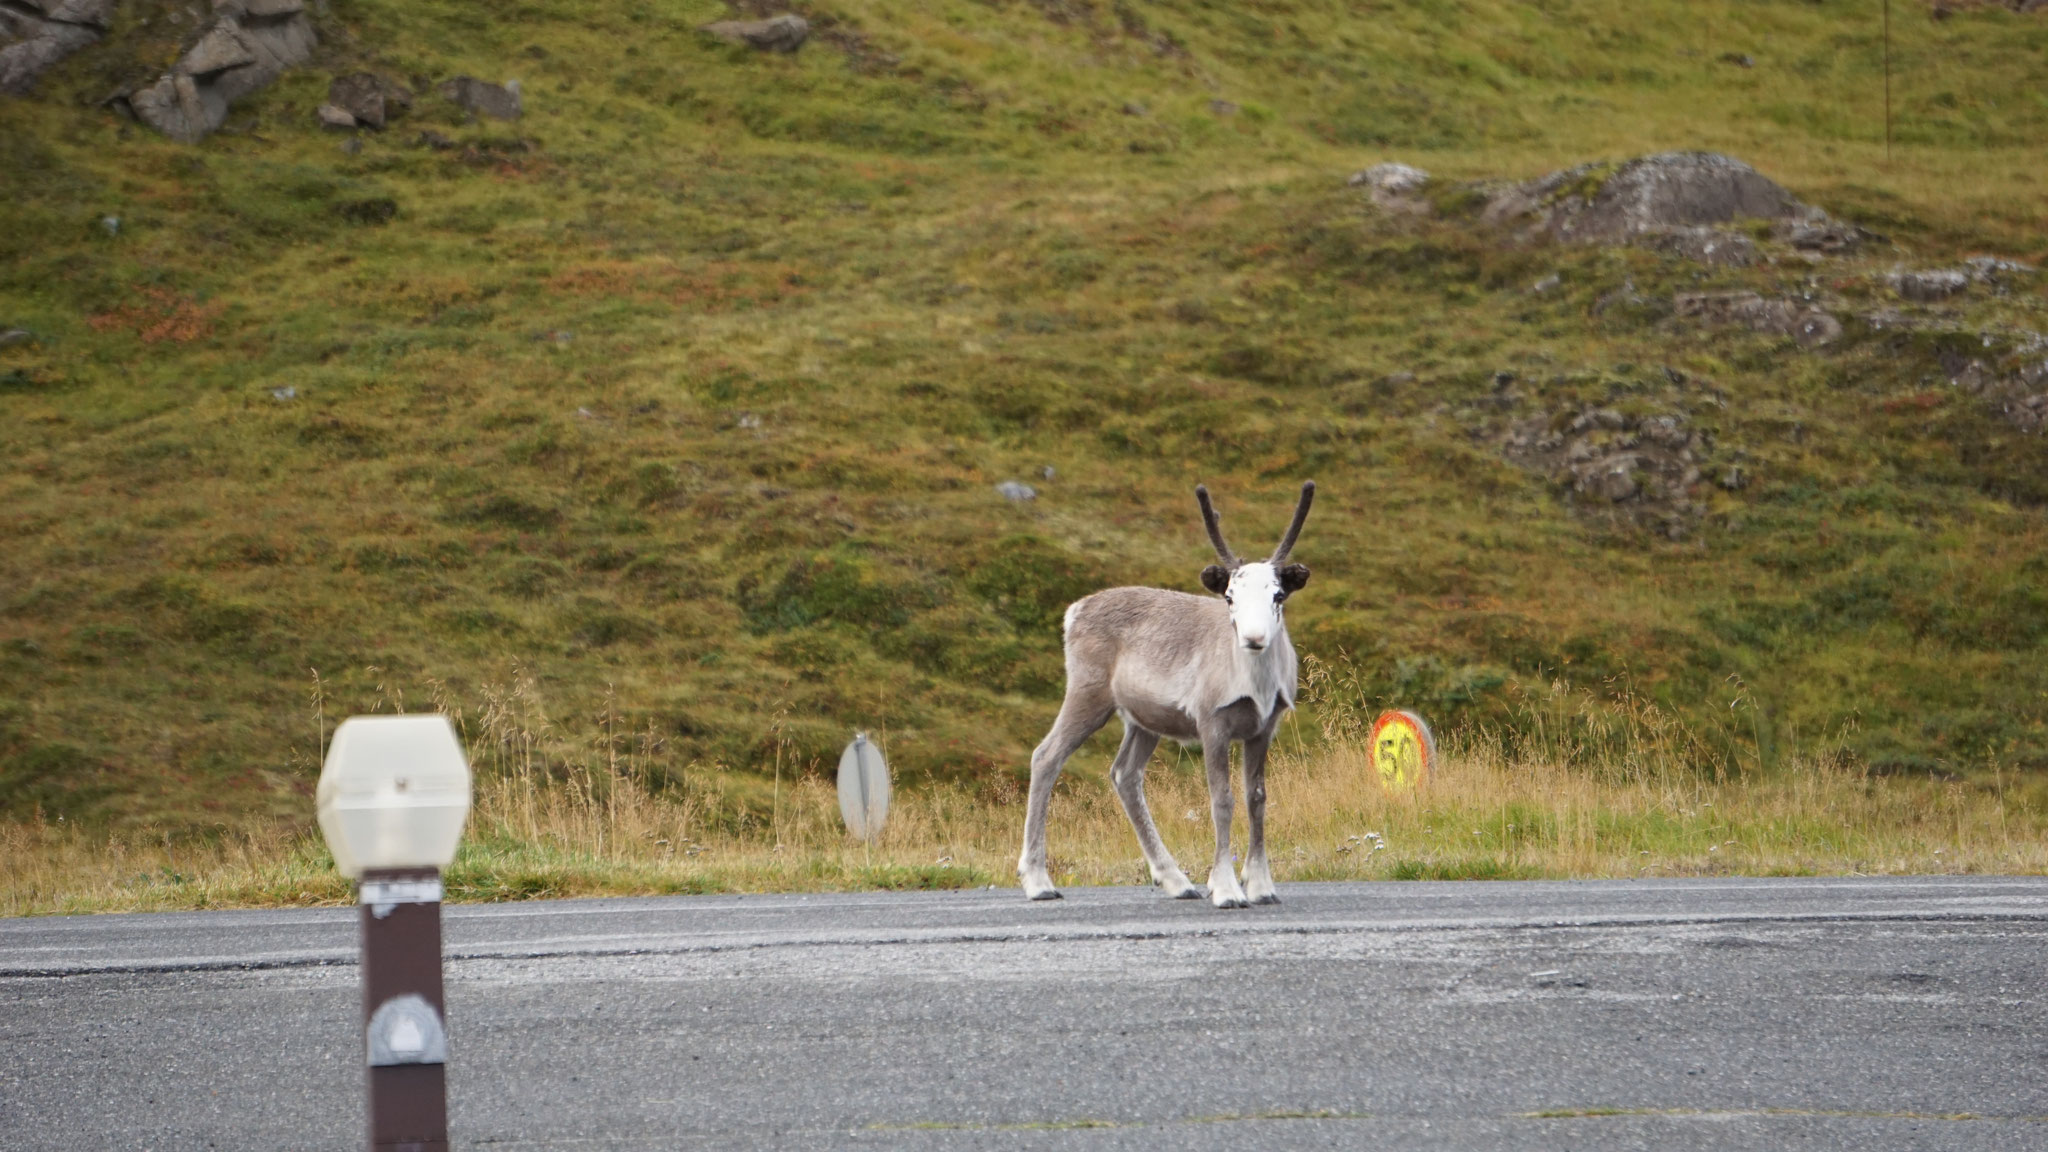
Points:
(1764, 1014)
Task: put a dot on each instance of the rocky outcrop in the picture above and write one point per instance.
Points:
(368, 100)
(1621, 467)
(1811, 326)
(483, 98)
(1395, 187)
(784, 33)
(1680, 201)
(247, 45)
(35, 34)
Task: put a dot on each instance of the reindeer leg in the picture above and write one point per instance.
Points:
(1128, 774)
(1081, 714)
(1258, 874)
(1224, 891)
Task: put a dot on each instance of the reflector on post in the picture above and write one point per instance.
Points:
(863, 788)
(393, 797)
(394, 793)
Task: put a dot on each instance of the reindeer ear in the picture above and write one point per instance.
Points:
(1294, 578)
(1216, 578)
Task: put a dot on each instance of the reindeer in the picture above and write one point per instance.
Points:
(1192, 668)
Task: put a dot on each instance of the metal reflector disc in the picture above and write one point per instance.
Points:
(1403, 751)
(863, 788)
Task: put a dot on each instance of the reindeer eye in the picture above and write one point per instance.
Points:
(1227, 599)
(1279, 596)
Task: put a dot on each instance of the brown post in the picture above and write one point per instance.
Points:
(403, 1011)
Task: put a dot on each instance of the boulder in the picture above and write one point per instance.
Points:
(1016, 492)
(32, 41)
(784, 33)
(334, 117)
(1810, 326)
(1398, 179)
(1929, 285)
(246, 46)
(220, 49)
(1678, 201)
(368, 97)
(483, 98)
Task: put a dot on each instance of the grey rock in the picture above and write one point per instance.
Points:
(30, 46)
(96, 13)
(1133, 108)
(1595, 203)
(337, 119)
(1810, 326)
(1993, 270)
(14, 336)
(112, 225)
(243, 49)
(1718, 246)
(353, 145)
(361, 95)
(1399, 179)
(1612, 479)
(1395, 187)
(498, 101)
(784, 33)
(1930, 285)
(220, 49)
(1549, 283)
(1733, 478)
(177, 106)
(283, 394)
(1828, 237)
(1017, 492)
(1677, 201)
(1223, 107)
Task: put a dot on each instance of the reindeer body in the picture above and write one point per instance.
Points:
(1195, 669)
(1173, 661)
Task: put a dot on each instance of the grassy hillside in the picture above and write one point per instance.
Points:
(674, 411)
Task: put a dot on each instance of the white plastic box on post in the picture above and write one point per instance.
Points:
(393, 797)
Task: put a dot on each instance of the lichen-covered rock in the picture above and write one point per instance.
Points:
(1395, 187)
(1679, 201)
(784, 33)
(1638, 470)
(1929, 285)
(498, 101)
(1811, 326)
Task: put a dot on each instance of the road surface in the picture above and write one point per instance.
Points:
(1672, 1014)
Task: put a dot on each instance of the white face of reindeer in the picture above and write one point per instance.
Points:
(1255, 594)
(1257, 591)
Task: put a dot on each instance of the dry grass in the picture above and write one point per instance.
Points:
(1612, 787)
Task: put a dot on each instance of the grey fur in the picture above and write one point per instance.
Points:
(1177, 666)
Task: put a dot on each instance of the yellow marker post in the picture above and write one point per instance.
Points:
(1403, 751)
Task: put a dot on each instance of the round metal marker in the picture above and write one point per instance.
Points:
(1403, 751)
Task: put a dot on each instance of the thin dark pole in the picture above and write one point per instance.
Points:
(1887, 81)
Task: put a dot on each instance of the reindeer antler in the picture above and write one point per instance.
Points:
(1308, 494)
(1215, 527)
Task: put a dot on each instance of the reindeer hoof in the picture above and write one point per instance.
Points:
(1227, 899)
(1177, 886)
(1268, 898)
(1045, 894)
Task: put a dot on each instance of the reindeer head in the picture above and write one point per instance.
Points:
(1255, 591)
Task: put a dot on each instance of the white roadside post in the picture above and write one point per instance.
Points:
(393, 797)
